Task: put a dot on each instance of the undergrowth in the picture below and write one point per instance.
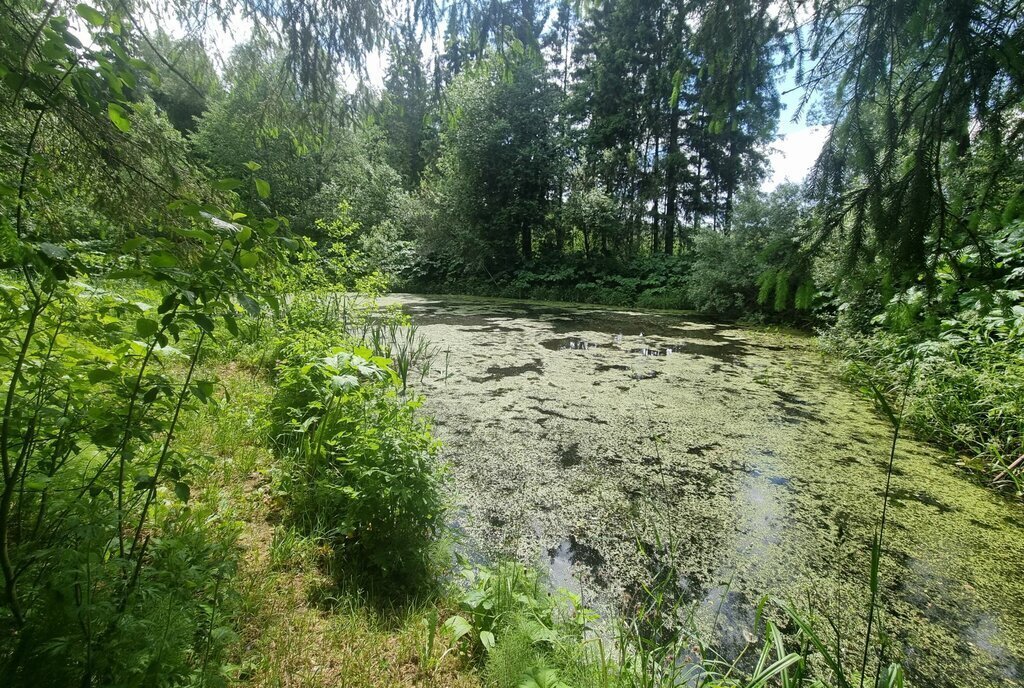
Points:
(966, 399)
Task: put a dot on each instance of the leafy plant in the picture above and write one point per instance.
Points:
(364, 470)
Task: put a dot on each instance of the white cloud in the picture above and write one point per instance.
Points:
(793, 154)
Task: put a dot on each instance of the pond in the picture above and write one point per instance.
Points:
(611, 446)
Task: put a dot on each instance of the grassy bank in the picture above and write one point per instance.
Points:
(289, 622)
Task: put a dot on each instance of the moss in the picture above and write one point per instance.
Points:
(743, 452)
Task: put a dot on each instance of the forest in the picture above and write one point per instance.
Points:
(252, 257)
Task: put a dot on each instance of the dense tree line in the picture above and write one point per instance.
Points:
(666, 110)
(613, 153)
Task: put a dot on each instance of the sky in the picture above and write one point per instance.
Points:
(798, 144)
(793, 154)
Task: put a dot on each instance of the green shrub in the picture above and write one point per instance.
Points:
(516, 628)
(362, 467)
(664, 298)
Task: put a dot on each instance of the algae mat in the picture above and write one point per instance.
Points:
(613, 446)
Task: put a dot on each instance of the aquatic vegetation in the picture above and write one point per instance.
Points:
(760, 466)
(967, 398)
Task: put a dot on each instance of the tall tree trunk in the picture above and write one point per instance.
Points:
(656, 198)
(672, 180)
(697, 192)
(564, 130)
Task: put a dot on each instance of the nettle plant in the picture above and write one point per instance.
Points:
(107, 572)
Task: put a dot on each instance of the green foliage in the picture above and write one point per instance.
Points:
(407, 109)
(754, 271)
(497, 163)
(672, 107)
(185, 80)
(122, 264)
(967, 397)
(965, 337)
(263, 120)
(510, 622)
(922, 156)
(523, 636)
(590, 214)
(363, 470)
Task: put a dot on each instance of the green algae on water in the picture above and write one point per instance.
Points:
(579, 438)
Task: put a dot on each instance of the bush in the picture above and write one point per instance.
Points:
(724, 274)
(362, 466)
(523, 634)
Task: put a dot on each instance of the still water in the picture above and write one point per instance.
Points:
(612, 446)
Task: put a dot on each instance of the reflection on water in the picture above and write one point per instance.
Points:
(569, 556)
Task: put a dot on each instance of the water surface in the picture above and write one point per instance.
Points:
(612, 446)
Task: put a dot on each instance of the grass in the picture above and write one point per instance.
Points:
(293, 625)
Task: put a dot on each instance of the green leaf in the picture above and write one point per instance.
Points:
(456, 627)
(487, 640)
(189, 208)
(97, 375)
(132, 244)
(146, 328)
(167, 304)
(54, 252)
(227, 184)
(163, 259)
(253, 166)
(90, 14)
(248, 259)
(344, 383)
(251, 305)
(182, 491)
(119, 116)
(204, 390)
(203, 322)
(262, 187)
(231, 324)
(823, 648)
(199, 234)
